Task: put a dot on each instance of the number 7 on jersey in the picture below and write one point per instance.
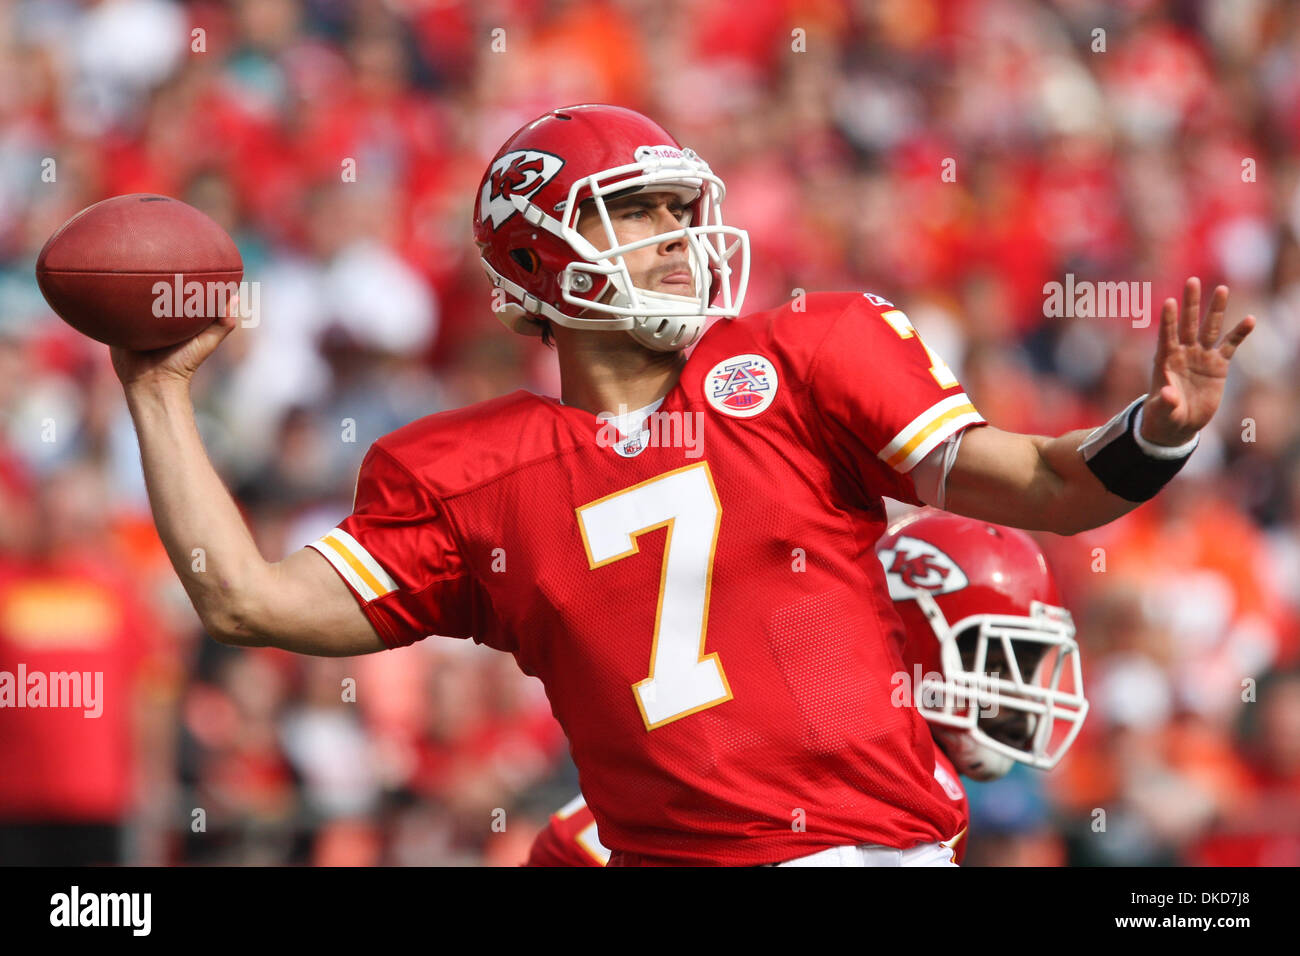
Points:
(683, 679)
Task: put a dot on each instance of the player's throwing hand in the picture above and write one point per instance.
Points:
(176, 363)
(1191, 366)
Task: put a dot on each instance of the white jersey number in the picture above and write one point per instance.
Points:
(683, 679)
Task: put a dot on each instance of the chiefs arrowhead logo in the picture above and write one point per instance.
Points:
(917, 569)
(520, 173)
(913, 565)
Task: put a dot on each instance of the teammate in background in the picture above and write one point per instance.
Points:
(694, 596)
(968, 592)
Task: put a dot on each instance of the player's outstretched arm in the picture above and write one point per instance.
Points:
(299, 604)
(1029, 481)
(1054, 484)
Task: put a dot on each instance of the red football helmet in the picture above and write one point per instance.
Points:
(996, 663)
(526, 215)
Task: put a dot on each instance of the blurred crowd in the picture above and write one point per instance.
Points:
(951, 155)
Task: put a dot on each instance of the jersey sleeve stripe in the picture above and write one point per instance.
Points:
(929, 428)
(361, 554)
(589, 840)
(356, 565)
(920, 421)
(929, 437)
(572, 807)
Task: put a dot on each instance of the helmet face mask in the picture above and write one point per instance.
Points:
(996, 667)
(561, 169)
(1001, 683)
(659, 320)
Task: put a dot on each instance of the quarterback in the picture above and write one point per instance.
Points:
(703, 616)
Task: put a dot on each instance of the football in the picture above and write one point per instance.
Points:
(139, 271)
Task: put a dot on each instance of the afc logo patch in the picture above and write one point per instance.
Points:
(742, 386)
(913, 565)
(519, 173)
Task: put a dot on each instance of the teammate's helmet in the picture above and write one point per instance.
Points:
(526, 215)
(998, 665)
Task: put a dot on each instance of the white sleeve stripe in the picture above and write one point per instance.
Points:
(572, 807)
(932, 441)
(920, 421)
(355, 564)
(589, 840)
(364, 556)
(341, 566)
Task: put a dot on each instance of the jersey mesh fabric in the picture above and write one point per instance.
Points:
(808, 752)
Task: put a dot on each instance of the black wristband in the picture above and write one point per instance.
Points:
(1114, 456)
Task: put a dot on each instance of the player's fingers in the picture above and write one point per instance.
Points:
(1213, 324)
(1167, 341)
(206, 342)
(219, 329)
(1237, 336)
(1191, 316)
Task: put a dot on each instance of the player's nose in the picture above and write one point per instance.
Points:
(676, 244)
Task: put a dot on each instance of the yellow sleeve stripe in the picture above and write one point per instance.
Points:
(908, 450)
(355, 564)
(572, 807)
(927, 430)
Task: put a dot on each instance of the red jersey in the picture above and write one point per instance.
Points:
(73, 639)
(950, 782)
(703, 607)
(571, 837)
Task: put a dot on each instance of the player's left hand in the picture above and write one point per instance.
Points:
(1191, 366)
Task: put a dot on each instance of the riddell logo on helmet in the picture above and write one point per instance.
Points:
(661, 152)
(519, 173)
(913, 565)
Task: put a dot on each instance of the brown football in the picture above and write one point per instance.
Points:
(139, 271)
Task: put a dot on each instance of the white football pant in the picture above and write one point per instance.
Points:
(927, 854)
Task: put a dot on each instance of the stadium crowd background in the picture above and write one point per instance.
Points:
(1121, 165)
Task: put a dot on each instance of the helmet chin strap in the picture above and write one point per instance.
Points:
(667, 334)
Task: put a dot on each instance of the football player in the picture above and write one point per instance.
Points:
(988, 653)
(687, 579)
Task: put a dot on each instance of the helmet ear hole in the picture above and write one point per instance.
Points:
(967, 643)
(527, 259)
